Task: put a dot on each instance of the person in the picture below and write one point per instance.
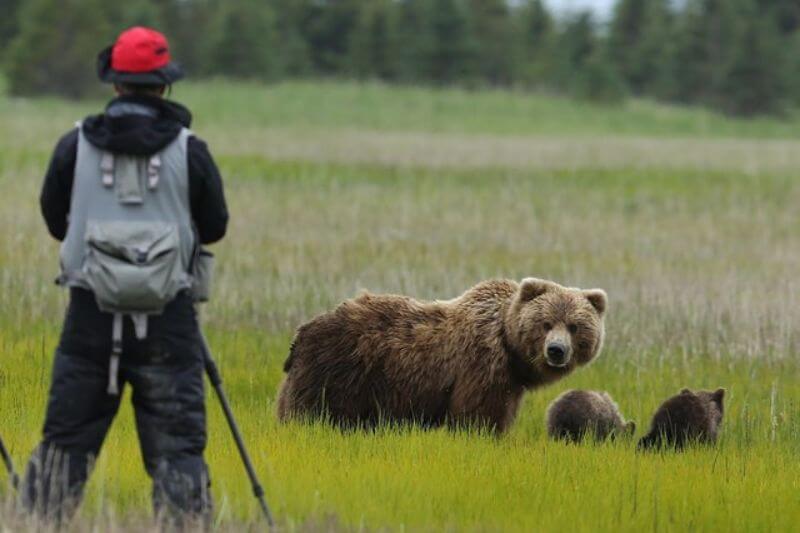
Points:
(144, 135)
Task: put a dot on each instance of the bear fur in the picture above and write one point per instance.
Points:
(577, 413)
(467, 361)
(684, 418)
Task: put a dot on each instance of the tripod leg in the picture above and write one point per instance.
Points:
(216, 381)
(9, 465)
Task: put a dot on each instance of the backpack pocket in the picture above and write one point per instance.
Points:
(201, 275)
(133, 267)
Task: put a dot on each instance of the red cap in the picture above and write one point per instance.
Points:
(140, 49)
(140, 55)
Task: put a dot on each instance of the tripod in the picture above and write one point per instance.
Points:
(9, 465)
(216, 381)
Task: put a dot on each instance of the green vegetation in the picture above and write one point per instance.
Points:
(737, 56)
(699, 260)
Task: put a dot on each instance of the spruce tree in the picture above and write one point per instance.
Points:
(639, 41)
(9, 22)
(535, 35)
(372, 45)
(447, 52)
(56, 48)
(491, 29)
(584, 69)
(755, 82)
(244, 41)
(705, 39)
(189, 26)
(292, 51)
(409, 28)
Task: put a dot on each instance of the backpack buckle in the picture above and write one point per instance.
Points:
(153, 171)
(107, 169)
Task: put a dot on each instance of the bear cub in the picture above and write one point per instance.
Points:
(576, 413)
(684, 418)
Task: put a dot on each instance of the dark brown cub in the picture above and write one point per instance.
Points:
(577, 413)
(685, 418)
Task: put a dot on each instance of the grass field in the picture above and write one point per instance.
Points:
(689, 221)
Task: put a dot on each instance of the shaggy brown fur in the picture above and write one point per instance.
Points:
(578, 412)
(463, 361)
(684, 418)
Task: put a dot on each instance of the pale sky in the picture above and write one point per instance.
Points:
(601, 7)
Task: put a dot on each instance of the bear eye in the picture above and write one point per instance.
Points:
(547, 326)
(573, 328)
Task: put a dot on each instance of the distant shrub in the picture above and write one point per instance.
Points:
(55, 49)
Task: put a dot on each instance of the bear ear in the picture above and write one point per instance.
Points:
(598, 298)
(531, 288)
(630, 427)
(686, 391)
(717, 396)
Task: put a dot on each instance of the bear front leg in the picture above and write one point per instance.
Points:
(495, 411)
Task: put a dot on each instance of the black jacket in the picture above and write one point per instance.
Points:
(135, 125)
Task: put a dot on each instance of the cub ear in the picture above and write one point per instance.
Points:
(686, 391)
(598, 298)
(531, 288)
(717, 396)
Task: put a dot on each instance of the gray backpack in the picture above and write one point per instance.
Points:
(130, 238)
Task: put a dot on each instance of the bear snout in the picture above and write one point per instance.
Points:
(557, 354)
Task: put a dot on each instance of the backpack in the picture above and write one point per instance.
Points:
(130, 238)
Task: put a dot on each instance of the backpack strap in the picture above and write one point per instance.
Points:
(116, 352)
(140, 325)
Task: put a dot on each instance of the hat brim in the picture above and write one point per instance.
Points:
(166, 75)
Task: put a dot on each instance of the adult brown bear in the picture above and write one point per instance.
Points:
(466, 361)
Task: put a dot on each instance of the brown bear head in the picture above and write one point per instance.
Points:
(555, 329)
(713, 401)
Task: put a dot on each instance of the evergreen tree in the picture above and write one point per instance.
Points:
(535, 44)
(705, 39)
(786, 13)
(292, 52)
(639, 41)
(583, 69)
(492, 31)
(575, 43)
(244, 42)
(327, 27)
(372, 46)
(56, 47)
(134, 13)
(188, 25)
(447, 51)
(8, 22)
(409, 27)
(755, 82)
(598, 81)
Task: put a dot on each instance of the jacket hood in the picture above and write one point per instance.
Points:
(136, 125)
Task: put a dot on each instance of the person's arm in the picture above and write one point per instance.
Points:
(56, 192)
(206, 194)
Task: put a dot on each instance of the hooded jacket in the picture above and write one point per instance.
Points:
(133, 125)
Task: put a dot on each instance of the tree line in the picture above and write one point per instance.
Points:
(738, 56)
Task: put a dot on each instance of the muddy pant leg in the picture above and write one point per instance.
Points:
(79, 413)
(171, 421)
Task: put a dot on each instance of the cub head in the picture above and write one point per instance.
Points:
(714, 403)
(554, 328)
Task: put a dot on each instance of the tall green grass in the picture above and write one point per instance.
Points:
(700, 267)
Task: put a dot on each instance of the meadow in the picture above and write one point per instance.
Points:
(688, 219)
